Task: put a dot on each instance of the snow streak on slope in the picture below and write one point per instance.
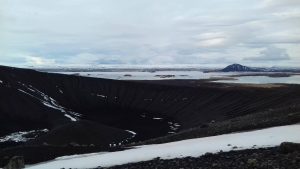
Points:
(133, 134)
(194, 147)
(47, 101)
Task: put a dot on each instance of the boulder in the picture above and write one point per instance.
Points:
(16, 162)
(287, 147)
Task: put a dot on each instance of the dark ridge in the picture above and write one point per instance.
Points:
(91, 134)
(269, 118)
(36, 154)
(238, 68)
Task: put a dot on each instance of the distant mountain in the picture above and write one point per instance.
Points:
(239, 68)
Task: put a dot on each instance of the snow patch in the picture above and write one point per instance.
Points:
(21, 136)
(70, 117)
(75, 156)
(53, 107)
(101, 95)
(133, 134)
(269, 137)
(48, 101)
(176, 125)
(173, 127)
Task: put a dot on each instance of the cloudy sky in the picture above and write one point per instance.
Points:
(149, 32)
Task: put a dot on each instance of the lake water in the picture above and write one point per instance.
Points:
(139, 75)
(264, 80)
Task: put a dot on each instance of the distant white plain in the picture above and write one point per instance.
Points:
(139, 75)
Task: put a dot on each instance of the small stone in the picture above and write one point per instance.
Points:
(252, 162)
(214, 164)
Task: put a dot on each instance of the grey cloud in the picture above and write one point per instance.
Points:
(271, 53)
(147, 31)
(280, 3)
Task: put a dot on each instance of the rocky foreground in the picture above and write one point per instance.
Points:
(286, 156)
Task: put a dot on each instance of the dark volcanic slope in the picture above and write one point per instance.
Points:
(90, 133)
(125, 105)
(32, 100)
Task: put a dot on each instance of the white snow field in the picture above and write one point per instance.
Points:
(269, 137)
(158, 75)
(162, 75)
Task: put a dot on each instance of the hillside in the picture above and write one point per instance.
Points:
(75, 114)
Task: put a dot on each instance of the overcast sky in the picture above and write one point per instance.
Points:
(149, 32)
